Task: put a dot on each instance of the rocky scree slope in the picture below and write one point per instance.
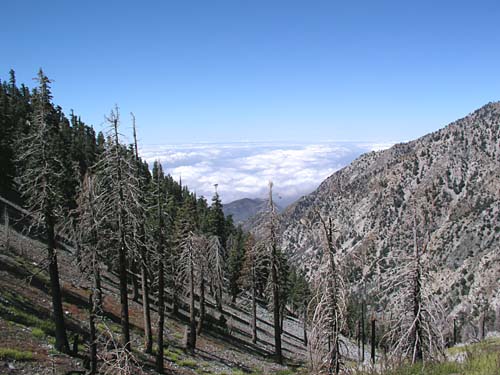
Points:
(453, 174)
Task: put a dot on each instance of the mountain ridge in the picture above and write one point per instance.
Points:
(244, 209)
(453, 174)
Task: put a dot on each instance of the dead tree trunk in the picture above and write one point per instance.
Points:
(455, 338)
(161, 312)
(275, 281)
(135, 283)
(305, 323)
(148, 336)
(358, 336)
(191, 334)
(6, 228)
(363, 340)
(373, 341)
(497, 318)
(254, 306)
(481, 326)
(201, 320)
(417, 304)
(93, 336)
(160, 236)
(55, 288)
(122, 250)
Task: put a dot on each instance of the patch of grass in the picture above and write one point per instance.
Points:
(172, 355)
(187, 363)
(284, 372)
(14, 354)
(201, 371)
(113, 327)
(37, 333)
(14, 314)
(481, 359)
(178, 335)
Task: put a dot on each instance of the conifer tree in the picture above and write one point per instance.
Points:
(236, 257)
(40, 185)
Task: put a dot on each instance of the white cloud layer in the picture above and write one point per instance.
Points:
(242, 170)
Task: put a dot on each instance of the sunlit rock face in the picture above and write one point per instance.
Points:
(452, 176)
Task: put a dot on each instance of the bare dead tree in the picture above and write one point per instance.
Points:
(142, 250)
(117, 359)
(200, 262)
(86, 234)
(40, 185)
(187, 272)
(116, 171)
(417, 318)
(328, 320)
(209, 268)
(254, 267)
(159, 229)
(271, 241)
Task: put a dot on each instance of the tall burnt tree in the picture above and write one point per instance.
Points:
(141, 245)
(181, 261)
(117, 174)
(254, 269)
(159, 228)
(86, 235)
(40, 185)
(208, 269)
(271, 239)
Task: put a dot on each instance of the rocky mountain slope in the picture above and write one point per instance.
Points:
(451, 175)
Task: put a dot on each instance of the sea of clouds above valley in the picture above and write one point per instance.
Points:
(243, 170)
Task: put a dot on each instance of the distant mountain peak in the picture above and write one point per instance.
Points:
(245, 208)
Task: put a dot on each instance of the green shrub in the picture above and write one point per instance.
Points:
(284, 372)
(171, 355)
(187, 363)
(37, 333)
(14, 354)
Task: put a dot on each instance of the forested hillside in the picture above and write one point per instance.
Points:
(170, 250)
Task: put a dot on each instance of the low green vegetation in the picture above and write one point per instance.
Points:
(7, 354)
(187, 363)
(37, 333)
(284, 372)
(10, 312)
(480, 359)
(172, 355)
(108, 326)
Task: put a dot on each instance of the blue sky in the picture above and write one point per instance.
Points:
(220, 71)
